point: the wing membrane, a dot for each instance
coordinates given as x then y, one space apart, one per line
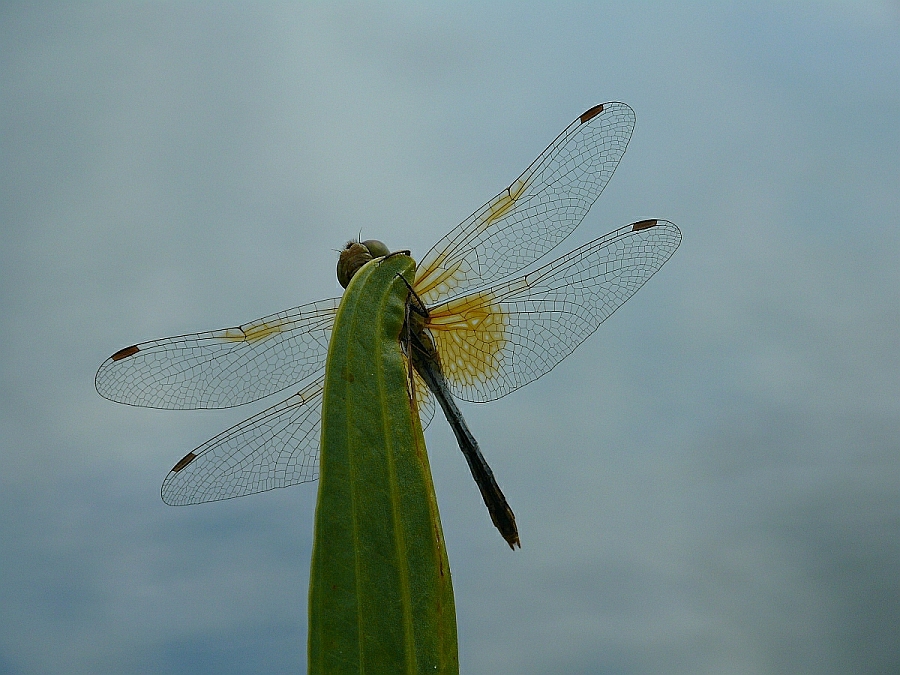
224 368
536 212
495 341
275 448
424 400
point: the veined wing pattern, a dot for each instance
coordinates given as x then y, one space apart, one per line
535 213
495 341
491 342
222 368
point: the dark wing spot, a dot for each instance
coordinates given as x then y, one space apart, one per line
588 115
643 225
183 462
125 353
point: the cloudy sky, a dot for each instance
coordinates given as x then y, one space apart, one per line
710 484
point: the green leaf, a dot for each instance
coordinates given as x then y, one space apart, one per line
380 596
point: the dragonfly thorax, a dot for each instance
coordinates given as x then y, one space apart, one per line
356 254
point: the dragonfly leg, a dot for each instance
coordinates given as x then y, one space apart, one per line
417 306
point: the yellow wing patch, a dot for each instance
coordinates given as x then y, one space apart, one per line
469 334
253 332
503 203
436 281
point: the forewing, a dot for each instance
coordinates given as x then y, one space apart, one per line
536 212
275 448
223 368
495 341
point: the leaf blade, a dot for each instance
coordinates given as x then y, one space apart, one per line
381 597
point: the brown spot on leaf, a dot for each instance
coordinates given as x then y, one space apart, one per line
588 115
125 353
183 462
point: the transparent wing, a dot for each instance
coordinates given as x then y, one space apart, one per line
536 212
275 448
424 400
495 341
223 368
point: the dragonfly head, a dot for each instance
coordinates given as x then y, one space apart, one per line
355 255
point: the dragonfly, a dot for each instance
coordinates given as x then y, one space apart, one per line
491 327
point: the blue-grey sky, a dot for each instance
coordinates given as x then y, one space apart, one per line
710 484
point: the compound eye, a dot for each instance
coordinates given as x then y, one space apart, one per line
376 248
